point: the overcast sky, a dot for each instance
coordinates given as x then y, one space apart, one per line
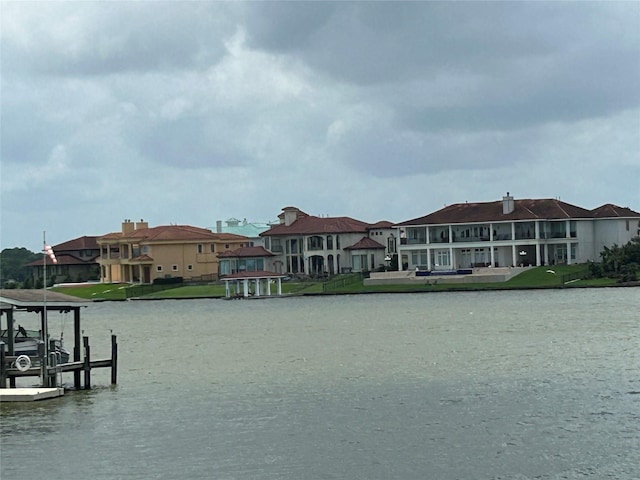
188 113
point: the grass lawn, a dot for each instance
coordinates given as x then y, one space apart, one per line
538 277
93 291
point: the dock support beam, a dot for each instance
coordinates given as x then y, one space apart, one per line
114 360
87 363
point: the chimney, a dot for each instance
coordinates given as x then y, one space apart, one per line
127 227
141 224
290 215
218 226
508 205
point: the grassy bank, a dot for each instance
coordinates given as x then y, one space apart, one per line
540 277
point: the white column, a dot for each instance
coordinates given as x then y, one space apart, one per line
226 288
279 286
513 256
568 253
268 287
245 287
429 259
257 287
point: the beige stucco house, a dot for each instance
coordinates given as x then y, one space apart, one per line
140 254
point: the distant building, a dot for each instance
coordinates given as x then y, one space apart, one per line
141 254
310 245
76 262
513 233
251 230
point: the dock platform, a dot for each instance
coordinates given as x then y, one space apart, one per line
29 394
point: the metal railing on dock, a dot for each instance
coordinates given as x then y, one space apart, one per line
50 368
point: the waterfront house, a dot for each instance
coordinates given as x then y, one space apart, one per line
513 232
77 261
140 254
318 246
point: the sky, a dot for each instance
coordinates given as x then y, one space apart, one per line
192 112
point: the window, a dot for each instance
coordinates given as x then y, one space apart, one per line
391 244
329 242
189 267
158 268
338 242
174 268
314 243
442 258
199 248
417 235
213 248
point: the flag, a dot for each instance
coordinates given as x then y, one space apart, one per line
49 251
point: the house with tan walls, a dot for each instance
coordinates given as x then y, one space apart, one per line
140 254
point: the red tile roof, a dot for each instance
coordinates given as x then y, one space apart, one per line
164 233
244 252
527 209
64 259
365 243
381 224
310 225
144 258
81 243
613 211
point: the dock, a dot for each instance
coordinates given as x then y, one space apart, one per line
45 363
29 394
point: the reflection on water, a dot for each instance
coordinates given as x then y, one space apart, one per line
509 385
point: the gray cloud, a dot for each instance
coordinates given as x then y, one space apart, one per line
316 104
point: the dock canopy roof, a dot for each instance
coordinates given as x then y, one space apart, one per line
34 299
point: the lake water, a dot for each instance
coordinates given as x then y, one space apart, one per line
486 385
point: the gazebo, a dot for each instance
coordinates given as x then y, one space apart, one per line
252 284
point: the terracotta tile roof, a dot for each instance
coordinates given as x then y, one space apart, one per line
528 209
381 224
365 243
310 225
613 211
244 252
64 259
168 233
142 259
80 243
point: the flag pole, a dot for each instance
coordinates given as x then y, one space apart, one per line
45 325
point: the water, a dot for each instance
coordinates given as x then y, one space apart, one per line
490 385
